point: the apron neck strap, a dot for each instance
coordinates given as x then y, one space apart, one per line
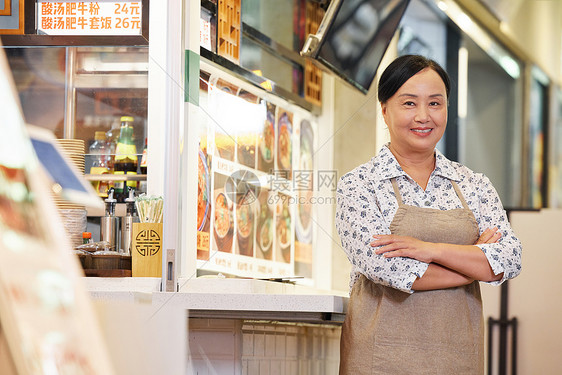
455 186
459 194
396 191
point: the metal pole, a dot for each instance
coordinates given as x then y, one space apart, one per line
172 156
504 324
70 94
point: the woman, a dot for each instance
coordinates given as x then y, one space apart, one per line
420 232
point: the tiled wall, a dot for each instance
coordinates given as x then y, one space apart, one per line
225 346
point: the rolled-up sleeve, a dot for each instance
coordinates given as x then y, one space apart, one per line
504 255
358 218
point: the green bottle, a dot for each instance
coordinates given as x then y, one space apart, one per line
126 160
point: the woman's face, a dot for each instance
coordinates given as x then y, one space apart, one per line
416 115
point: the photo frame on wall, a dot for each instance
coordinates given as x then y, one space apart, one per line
12 17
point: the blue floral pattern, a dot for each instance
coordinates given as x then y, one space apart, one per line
366 205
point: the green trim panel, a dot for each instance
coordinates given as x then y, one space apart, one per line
192 63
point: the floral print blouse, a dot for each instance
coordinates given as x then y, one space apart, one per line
366 205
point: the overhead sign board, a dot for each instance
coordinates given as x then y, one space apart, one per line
92 18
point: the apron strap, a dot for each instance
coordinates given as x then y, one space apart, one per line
396 191
459 194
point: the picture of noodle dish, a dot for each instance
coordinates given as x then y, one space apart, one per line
266 235
284 146
203 188
244 218
222 216
306 161
267 138
284 234
245 224
303 225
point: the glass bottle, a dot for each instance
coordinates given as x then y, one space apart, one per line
144 159
126 159
112 137
87 237
99 153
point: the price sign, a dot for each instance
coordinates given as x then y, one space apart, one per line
89 17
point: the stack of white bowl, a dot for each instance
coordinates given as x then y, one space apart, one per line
73 215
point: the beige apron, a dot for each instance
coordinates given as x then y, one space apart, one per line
390 332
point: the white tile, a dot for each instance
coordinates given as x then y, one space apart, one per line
259 344
291 345
304 367
270 345
264 367
277 367
211 344
253 367
247 344
332 368
292 367
280 346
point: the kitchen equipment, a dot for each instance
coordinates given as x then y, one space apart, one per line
109 228
127 224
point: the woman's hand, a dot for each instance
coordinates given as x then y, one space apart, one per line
490 235
404 246
409 247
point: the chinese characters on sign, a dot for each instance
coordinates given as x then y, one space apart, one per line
89 17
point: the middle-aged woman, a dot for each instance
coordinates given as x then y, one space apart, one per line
420 232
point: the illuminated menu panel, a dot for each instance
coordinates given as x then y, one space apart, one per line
89 17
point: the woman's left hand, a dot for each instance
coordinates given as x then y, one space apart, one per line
404 246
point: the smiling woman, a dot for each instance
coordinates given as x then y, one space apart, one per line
417 117
421 232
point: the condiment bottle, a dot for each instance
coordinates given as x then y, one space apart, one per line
99 153
86 237
127 224
112 137
126 160
109 227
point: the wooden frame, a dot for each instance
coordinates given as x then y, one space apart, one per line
8 14
7 10
32 39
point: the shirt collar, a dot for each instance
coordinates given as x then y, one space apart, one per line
445 167
385 166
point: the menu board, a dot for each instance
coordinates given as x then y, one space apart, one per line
255 212
46 316
89 17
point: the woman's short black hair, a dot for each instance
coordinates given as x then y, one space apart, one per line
402 69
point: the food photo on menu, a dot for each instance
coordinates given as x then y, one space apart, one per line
245 233
223 223
283 232
265 228
221 95
247 137
266 141
304 185
284 142
203 204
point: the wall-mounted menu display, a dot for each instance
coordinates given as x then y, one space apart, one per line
255 183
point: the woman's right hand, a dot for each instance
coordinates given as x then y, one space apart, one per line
490 235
